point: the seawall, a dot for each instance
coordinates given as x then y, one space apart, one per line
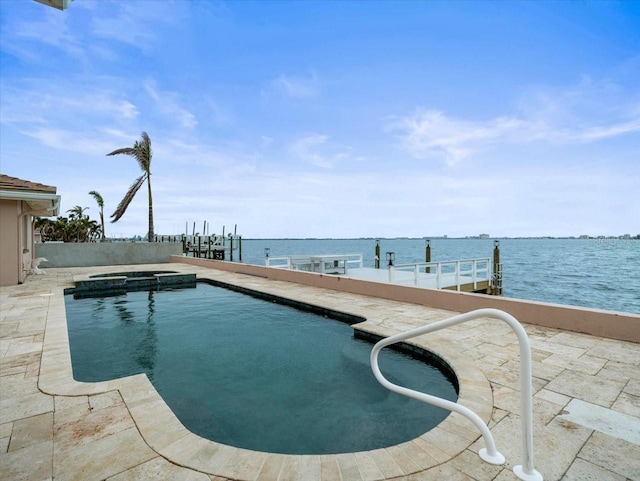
610 324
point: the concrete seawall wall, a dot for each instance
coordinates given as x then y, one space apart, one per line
105 253
609 324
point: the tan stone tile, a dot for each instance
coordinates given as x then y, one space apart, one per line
310 468
574 339
472 465
101 459
633 387
386 463
620 351
7 363
290 469
432 450
72 406
586 364
628 404
16 386
88 427
329 468
23 345
7 328
30 431
159 468
588 388
553 397
33 370
24 406
28 464
348 467
561 349
5 429
108 399
441 472
271 468
497 416
368 467
582 470
406 464
612 454
555 445
4 444
450 443
232 462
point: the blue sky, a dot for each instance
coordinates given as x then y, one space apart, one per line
332 119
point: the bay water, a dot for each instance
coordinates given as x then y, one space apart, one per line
594 273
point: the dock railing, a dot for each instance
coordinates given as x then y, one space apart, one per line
327 263
446 273
526 470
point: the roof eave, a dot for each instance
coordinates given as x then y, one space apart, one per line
41 203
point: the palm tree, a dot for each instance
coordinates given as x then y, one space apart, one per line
141 151
100 201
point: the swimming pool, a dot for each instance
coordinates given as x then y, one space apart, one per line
252 373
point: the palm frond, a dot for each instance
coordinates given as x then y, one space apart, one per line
124 203
98 198
124 150
141 151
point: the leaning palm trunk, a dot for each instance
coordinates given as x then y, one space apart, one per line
150 233
141 151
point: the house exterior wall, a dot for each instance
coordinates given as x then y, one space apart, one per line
10 250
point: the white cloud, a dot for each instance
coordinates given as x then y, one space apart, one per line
431 134
45 101
297 87
317 150
132 23
585 113
52 30
71 141
168 104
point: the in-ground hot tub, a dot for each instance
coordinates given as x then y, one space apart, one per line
129 281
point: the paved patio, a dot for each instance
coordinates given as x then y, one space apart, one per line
586 402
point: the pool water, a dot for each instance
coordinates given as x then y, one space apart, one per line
251 373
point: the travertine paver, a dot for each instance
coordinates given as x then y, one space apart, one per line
52 427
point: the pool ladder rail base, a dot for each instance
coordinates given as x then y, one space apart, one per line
525 471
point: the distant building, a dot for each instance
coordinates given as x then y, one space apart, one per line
583 236
484 236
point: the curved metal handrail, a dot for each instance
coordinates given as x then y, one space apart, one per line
525 471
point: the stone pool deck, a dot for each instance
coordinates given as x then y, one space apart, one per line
586 402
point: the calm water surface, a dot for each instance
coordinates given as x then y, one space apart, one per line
596 273
252 373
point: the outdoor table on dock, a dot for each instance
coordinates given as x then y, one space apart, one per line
334 264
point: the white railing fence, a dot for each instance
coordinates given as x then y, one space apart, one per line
526 470
317 263
449 273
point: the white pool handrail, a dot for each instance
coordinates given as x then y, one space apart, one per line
525 471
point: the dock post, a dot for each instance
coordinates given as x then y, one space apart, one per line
377 260
497 270
240 248
184 244
199 247
230 248
427 256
